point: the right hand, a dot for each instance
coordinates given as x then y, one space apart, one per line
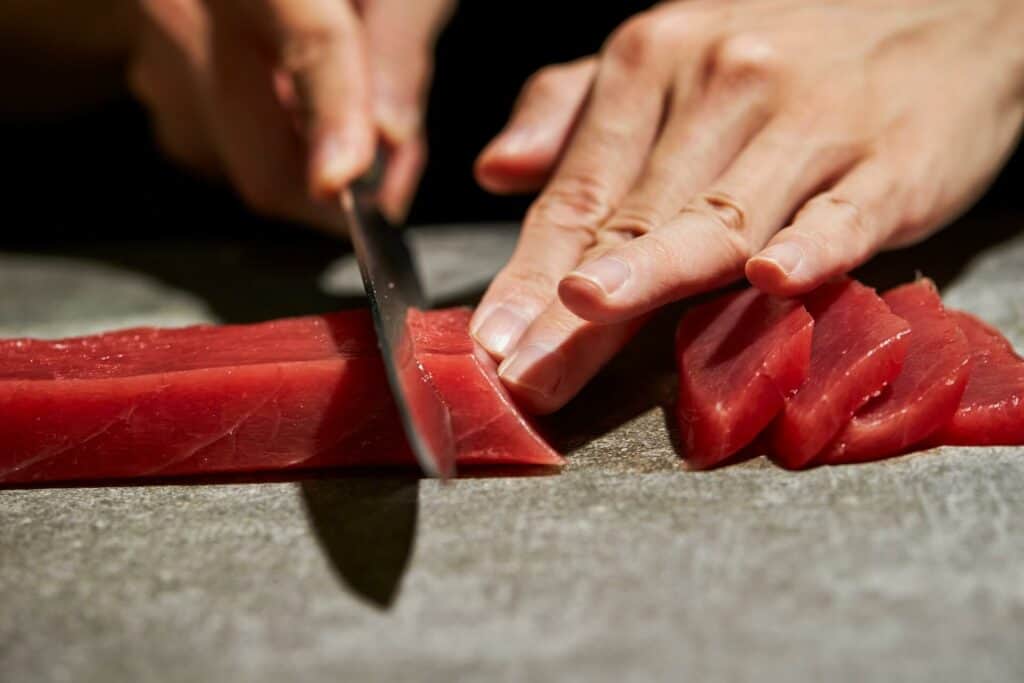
287 98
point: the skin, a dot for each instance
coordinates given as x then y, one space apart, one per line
786 141
290 98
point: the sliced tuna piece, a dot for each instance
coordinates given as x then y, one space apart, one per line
739 356
858 349
288 394
991 411
925 394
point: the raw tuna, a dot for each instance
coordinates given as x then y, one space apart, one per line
739 356
925 394
857 350
289 394
991 411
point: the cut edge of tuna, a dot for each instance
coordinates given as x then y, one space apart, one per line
181 407
926 393
730 388
991 410
858 348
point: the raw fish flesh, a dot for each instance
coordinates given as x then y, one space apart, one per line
858 348
739 356
289 394
991 411
925 394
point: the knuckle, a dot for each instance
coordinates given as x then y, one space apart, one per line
635 43
725 210
306 47
530 285
542 83
847 214
578 203
632 221
747 58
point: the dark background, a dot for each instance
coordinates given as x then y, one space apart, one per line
96 175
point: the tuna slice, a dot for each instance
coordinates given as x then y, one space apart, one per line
991 411
925 394
288 394
858 349
739 357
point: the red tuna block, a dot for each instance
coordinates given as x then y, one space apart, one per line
925 394
991 411
858 348
739 356
289 394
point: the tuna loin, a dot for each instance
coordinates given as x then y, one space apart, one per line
287 394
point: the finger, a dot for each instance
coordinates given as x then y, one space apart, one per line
261 153
691 152
398 187
708 244
320 45
552 362
833 233
699 140
601 163
521 157
400 40
166 75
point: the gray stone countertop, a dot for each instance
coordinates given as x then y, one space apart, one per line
624 566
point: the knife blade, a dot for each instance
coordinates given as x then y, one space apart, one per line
393 287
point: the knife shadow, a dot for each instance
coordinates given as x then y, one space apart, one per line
366 527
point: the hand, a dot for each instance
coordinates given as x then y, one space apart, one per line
785 139
287 97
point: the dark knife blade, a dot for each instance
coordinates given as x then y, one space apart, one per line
393 287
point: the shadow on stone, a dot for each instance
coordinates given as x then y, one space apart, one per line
366 527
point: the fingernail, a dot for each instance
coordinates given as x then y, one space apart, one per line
608 273
533 368
500 330
786 256
513 142
398 123
334 163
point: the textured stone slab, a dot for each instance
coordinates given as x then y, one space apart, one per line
623 567
455 261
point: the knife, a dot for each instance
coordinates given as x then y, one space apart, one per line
393 287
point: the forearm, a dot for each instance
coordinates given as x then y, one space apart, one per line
59 55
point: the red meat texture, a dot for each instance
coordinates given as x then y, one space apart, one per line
739 357
991 411
925 394
297 393
858 349
870 378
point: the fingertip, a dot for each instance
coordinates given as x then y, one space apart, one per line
781 269
534 375
498 329
337 161
584 297
518 160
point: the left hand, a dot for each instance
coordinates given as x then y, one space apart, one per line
789 140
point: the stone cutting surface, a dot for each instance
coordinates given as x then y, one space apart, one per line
623 567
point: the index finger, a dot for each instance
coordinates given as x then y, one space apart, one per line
319 44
